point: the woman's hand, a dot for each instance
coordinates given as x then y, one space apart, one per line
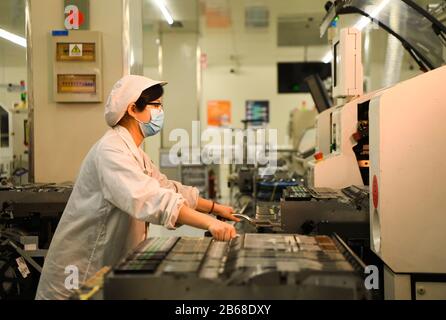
225 212
222 231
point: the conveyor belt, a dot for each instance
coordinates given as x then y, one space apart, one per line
251 266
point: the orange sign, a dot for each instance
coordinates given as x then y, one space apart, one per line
219 113
217 14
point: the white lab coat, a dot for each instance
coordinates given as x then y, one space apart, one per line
118 189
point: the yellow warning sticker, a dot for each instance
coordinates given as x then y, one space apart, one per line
75 49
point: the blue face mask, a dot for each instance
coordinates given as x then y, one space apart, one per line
154 125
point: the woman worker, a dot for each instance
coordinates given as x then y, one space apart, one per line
118 190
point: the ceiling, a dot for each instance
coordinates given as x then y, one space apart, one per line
12 16
290 22
189 12
12 12
184 11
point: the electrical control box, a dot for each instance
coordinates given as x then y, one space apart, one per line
77 66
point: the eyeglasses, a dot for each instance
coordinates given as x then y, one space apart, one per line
156 104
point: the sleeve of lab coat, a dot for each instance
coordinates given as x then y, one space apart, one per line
190 194
126 186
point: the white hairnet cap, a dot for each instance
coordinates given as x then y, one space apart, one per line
125 91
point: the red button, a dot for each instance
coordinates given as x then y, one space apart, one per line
375 192
318 155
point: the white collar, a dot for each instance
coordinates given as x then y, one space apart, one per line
128 140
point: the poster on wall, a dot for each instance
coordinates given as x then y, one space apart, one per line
219 113
217 13
257 111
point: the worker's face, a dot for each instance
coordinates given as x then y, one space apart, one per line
145 115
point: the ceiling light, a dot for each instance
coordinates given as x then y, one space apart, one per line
13 38
164 11
364 21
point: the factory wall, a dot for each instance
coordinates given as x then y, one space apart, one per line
151 70
12 70
172 57
179 69
63 133
240 64
251 83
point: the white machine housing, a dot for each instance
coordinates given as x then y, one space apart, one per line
347 68
335 127
407 174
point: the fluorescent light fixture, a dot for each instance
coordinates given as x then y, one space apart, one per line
164 11
13 38
328 57
364 21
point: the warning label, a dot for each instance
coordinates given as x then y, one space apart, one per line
75 49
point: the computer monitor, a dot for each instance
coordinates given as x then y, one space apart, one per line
318 92
291 75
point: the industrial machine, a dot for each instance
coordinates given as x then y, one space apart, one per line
342 143
330 142
6 154
29 215
390 139
324 211
342 153
401 140
313 211
14 137
251 266
407 172
343 150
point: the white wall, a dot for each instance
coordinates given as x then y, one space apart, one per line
251 83
254 55
63 133
179 68
151 70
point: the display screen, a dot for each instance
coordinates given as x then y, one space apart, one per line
257 111
291 75
319 93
